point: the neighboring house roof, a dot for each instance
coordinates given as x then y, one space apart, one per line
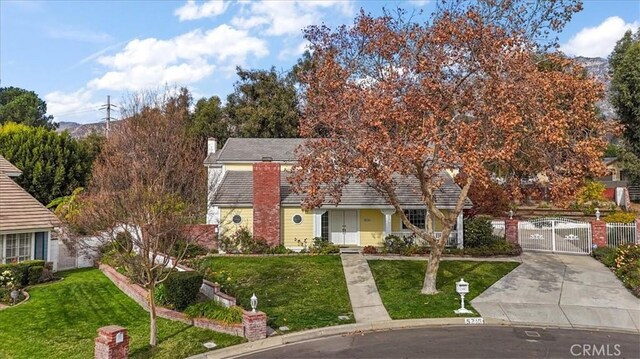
8 168
20 211
609 160
236 189
254 149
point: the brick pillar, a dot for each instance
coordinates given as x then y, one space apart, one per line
112 343
511 230
599 233
255 325
266 202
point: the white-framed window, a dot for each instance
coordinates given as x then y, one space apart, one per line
416 217
17 247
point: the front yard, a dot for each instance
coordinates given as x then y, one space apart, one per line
61 321
299 292
400 281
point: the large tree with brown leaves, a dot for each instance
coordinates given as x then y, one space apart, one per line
466 91
148 181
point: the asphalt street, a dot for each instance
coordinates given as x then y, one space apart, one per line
465 342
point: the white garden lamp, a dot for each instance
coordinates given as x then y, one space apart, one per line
597 214
254 302
462 288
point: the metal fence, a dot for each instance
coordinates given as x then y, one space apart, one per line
621 233
555 235
498 227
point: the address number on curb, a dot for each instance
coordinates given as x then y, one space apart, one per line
473 321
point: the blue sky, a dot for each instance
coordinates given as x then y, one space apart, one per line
75 53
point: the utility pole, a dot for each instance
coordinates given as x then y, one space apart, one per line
108 118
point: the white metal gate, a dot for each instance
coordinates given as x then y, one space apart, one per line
555 235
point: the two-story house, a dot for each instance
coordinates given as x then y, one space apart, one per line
248 188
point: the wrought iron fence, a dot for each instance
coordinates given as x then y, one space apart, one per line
621 233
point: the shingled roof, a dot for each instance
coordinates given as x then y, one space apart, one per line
254 149
236 189
20 211
8 168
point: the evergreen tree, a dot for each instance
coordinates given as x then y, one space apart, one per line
22 106
52 164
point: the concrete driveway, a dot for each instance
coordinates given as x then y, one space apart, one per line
561 290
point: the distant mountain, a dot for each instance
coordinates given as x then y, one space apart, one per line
81 130
599 68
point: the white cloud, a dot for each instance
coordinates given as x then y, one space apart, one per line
181 60
419 2
598 41
64 106
287 17
193 11
294 51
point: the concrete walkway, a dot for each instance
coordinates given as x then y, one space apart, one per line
561 290
365 300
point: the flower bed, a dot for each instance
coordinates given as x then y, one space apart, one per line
624 261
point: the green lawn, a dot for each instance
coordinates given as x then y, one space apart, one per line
61 321
299 292
400 281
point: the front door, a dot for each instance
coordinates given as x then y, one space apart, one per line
344 227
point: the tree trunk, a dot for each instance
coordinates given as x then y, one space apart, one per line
429 286
153 329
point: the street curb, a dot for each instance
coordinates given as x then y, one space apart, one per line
360 328
270 343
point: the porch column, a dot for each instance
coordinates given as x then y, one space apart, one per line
460 228
387 221
317 222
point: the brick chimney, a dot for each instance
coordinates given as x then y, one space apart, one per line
266 201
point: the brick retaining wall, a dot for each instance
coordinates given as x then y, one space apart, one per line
139 295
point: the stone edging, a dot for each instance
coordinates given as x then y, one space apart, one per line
26 298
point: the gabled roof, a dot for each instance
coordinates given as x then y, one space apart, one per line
236 189
8 168
254 149
20 211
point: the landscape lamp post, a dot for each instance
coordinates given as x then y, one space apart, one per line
462 288
254 302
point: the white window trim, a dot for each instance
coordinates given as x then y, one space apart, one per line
301 219
3 243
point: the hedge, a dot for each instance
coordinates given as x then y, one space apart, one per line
182 289
22 271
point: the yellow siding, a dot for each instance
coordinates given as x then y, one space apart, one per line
249 167
292 231
226 216
371 227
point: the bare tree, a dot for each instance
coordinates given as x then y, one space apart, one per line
148 181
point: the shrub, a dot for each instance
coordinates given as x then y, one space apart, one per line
398 244
160 295
369 250
478 232
627 266
620 217
242 241
279 249
182 288
35 273
323 246
192 250
20 270
606 255
213 310
496 248
123 242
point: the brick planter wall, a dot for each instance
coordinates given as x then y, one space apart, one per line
250 326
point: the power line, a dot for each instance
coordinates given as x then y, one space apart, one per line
108 107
